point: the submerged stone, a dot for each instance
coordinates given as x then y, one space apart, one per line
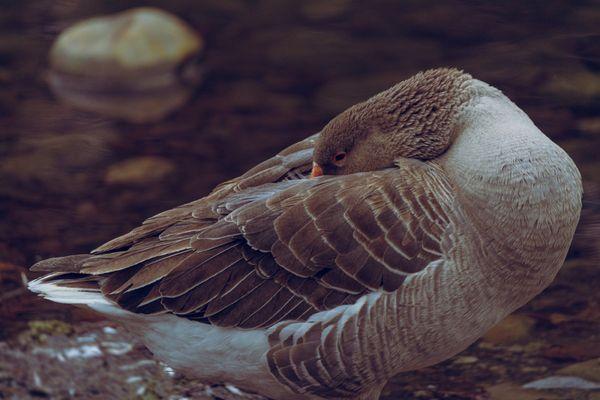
136 65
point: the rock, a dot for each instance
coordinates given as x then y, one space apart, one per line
465 360
533 346
486 345
558 318
515 348
511 391
589 370
562 382
139 170
499 369
512 329
124 42
589 125
135 65
422 394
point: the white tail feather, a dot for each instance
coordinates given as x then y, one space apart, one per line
49 287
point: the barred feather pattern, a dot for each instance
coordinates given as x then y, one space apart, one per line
251 256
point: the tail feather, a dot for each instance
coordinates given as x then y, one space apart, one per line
63 264
69 288
66 284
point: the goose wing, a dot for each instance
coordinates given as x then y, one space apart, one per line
268 247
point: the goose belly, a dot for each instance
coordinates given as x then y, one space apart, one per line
209 353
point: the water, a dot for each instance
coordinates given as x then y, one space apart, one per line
275 72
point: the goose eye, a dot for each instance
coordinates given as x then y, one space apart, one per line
339 158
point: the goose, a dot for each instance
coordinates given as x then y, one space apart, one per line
387 242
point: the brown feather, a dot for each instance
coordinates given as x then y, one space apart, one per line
242 283
198 268
135 257
64 264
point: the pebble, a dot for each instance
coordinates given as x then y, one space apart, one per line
117 348
85 351
139 170
422 394
498 369
465 360
109 330
562 382
589 125
557 318
511 329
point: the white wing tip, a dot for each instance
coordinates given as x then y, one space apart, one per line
53 291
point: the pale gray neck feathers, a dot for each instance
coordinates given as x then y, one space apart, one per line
515 185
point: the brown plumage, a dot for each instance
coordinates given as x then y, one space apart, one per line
385 263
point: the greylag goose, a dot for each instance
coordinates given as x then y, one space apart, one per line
390 241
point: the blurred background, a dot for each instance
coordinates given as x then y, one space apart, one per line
76 169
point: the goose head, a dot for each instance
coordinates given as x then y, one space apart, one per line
413 119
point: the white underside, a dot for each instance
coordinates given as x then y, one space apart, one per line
209 353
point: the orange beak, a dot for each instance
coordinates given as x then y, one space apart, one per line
316 170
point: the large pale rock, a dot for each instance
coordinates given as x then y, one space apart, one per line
136 65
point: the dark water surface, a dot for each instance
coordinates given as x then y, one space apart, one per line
275 72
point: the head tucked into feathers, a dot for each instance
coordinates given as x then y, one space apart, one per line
413 119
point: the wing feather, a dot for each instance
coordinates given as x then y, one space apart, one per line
267 247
